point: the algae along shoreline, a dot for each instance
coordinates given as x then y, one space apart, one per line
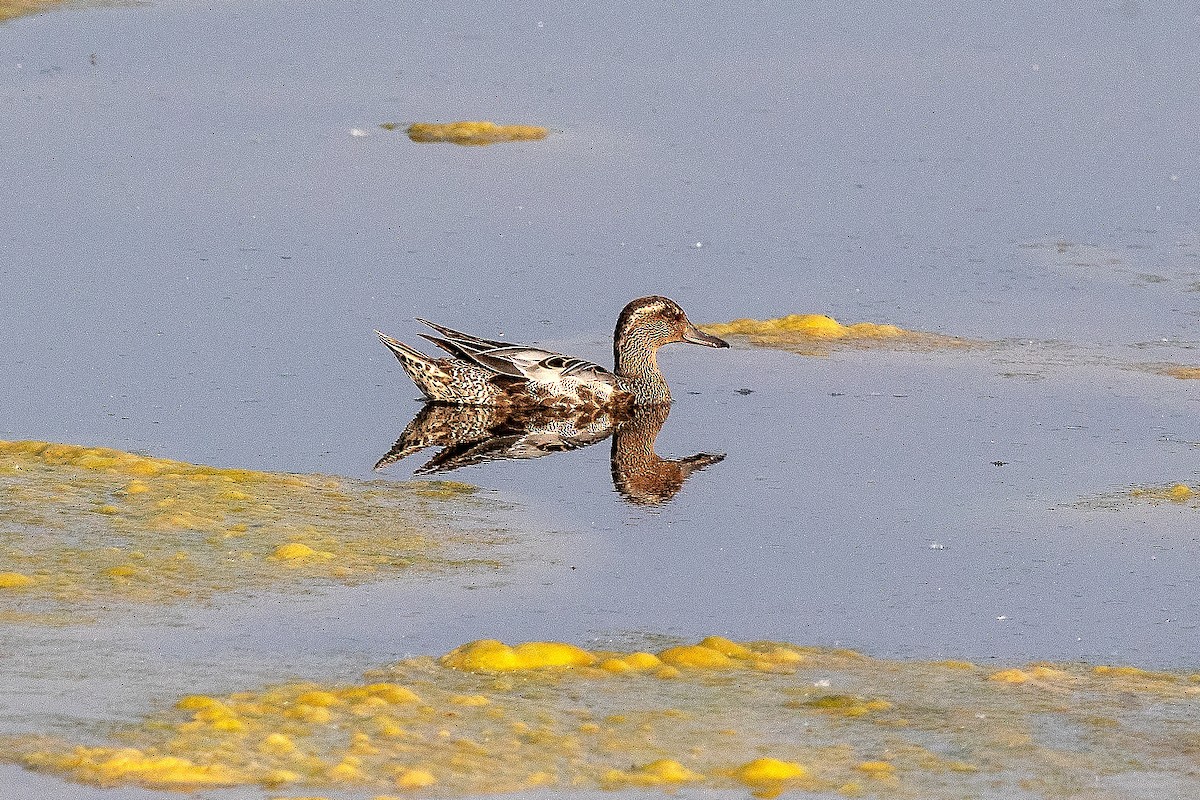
768 717
81 527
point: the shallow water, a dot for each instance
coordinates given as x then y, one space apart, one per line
197 250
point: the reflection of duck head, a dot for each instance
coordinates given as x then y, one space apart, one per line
638 473
471 435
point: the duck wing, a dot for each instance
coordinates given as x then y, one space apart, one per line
516 360
465 341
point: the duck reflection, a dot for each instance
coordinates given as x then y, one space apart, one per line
471 435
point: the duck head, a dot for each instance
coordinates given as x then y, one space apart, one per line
651 322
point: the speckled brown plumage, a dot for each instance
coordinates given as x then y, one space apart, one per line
488 372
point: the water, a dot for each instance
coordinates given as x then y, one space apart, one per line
196 250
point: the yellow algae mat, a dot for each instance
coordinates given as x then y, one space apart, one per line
817 334
768 717
85 524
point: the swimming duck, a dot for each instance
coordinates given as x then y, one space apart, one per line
484 372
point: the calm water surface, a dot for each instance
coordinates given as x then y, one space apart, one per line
196 250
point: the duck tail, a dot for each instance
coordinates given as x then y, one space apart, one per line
401 351
427 373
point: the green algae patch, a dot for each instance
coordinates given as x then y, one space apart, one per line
471 133
84 526
817 334
766 717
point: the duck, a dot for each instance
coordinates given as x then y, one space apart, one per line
488 372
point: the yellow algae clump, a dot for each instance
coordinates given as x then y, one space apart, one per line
842 705
726 647
171 538
1133 672
489 655
816 334
296 551
634 662
278 744
617 665
198 702
415 779
392 693
474 133
877 769
15 580
766 771
1044 672
319 698
1180 492
1009 676
347 771
663 772
666 770
696 657
778 655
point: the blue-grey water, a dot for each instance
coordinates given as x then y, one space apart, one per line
195 249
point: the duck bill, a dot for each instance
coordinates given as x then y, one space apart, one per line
697 336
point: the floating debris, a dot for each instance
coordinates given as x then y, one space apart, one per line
83 526
488 718
471 133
